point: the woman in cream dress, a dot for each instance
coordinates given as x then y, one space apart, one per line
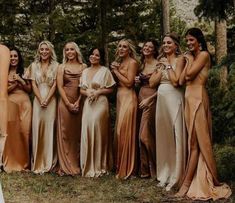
200 180
96 139
126 135
170 126
17 158
69 110
42 72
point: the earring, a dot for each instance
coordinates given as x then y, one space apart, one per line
200 47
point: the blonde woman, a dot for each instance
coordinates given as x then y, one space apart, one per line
42 72
69 110
125 69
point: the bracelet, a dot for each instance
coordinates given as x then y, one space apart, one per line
168 67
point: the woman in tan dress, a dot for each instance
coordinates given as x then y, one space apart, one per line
69 110
96 139
147 107
170 126
125 69
42 72
200 181
4 66
17 158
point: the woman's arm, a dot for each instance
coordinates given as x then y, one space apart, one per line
50 94
155 79
11 86
36 91
147 101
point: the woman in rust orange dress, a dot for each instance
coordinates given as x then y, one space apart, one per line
147 106
69 110
125 69
200 181
17 158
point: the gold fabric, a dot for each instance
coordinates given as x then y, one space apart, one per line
69 127
96 138
170 133
17 158
43 122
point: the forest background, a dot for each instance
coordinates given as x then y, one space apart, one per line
24 23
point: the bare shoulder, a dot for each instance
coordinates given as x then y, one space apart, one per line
84 66
180 58
4 50
204 55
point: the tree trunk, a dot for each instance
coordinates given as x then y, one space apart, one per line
165 16
51 35
221 47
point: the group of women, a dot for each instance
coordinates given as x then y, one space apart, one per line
159 132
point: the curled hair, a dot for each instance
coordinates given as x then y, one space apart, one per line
53 57
197 33
132 49
155 45
176 39
20 65
78 53
101 52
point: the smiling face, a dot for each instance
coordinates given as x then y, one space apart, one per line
192 43
44 52
148 49
123 49
169 45
95 57
14 58
70 52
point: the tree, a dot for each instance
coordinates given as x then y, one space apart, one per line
165 16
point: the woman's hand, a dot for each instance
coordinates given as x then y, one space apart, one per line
145 103
16 77
94 96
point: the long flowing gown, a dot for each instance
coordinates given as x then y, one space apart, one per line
204 185
96 139
17 158
147 140
126 142
69 126
170 133
43 122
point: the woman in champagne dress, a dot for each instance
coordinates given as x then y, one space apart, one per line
96 139
170 124
200 181
147 107
69 110
42 72
126 142
17 158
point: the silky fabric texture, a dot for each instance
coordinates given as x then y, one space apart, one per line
96 138
126 142
43 122
204 185
170 132
69 126
17 158
147 141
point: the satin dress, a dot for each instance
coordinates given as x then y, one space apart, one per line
96 137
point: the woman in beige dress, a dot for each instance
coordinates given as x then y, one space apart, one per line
170 126
4 66
147 108
42 72
17 158
125 69
96 139
200 181
69 110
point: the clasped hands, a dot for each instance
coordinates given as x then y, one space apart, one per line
73 108
92 95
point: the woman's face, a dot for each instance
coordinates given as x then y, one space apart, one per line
70 52
95 57
192 43
14 58
123 49
148 49
169 45
44 52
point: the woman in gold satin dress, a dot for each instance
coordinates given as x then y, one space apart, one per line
147 109
17 158
69 110
170 124
200 181
96 139
125 69
42 72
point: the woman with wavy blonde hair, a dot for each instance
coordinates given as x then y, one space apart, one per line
42 73
125 69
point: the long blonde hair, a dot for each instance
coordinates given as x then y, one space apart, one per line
79 54
53 57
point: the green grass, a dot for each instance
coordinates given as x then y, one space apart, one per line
51 188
